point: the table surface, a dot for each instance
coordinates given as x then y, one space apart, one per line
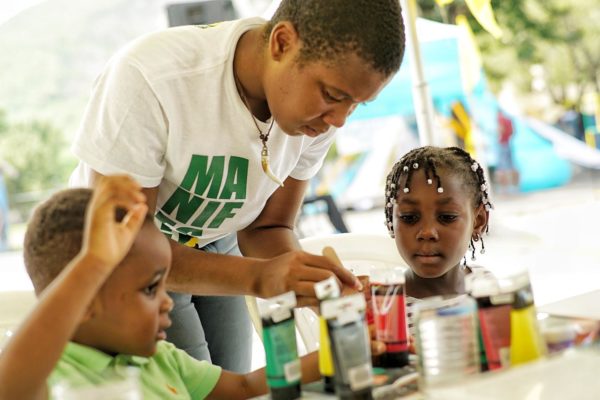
580 306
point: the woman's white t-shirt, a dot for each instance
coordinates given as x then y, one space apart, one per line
166 111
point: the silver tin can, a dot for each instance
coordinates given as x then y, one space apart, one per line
446 339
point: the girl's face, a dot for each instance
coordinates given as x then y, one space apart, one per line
433 230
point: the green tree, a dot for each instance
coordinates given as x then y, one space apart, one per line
560 36
38 153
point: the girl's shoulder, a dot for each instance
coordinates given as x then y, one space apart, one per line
478 269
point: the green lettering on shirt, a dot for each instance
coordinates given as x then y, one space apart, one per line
236 181
203 175
204 194
184 202
226 212
206 213
187 231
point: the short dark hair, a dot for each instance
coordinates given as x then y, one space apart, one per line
55 234
373 29
453 160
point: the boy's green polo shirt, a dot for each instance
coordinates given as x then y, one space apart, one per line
169 374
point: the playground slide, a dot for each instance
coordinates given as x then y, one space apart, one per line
565 145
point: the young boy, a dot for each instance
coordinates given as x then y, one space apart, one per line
100 276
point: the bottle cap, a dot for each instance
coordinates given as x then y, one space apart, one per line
278 308
388 276
327 289
514 282
481 284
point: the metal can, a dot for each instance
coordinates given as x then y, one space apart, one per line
446 339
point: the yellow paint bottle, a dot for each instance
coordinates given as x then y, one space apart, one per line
526 342
327 289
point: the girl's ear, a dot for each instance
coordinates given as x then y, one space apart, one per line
481 220
283 39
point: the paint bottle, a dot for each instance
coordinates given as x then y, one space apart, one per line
446 340
493 310
281 351
388 297
325 290
350 346
526 342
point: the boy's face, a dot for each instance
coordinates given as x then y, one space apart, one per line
308 99
131 312
433 230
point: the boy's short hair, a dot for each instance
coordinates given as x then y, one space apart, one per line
55 234
373 29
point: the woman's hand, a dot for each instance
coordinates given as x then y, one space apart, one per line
299 271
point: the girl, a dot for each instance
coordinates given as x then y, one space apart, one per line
437 207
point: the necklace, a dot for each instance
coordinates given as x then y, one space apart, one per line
264 137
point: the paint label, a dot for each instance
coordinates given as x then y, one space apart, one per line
494 323
292 371
347 308
360 376
281 351
390 317
347 317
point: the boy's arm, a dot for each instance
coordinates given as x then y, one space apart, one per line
32 353
34 350
236 386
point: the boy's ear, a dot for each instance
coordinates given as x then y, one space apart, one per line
481 220
283 39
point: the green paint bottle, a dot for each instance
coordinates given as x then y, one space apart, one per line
281 351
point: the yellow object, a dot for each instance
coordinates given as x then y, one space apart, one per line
192 242
590 138
325 358
526 343
469 55
484 14
598 112
460 122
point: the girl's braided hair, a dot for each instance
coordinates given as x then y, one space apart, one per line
452 159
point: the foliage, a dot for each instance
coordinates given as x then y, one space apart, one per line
558 38
39 156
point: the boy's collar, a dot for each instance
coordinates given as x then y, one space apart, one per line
97 360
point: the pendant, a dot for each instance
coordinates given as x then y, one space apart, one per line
264 160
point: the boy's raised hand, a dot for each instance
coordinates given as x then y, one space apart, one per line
105 239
